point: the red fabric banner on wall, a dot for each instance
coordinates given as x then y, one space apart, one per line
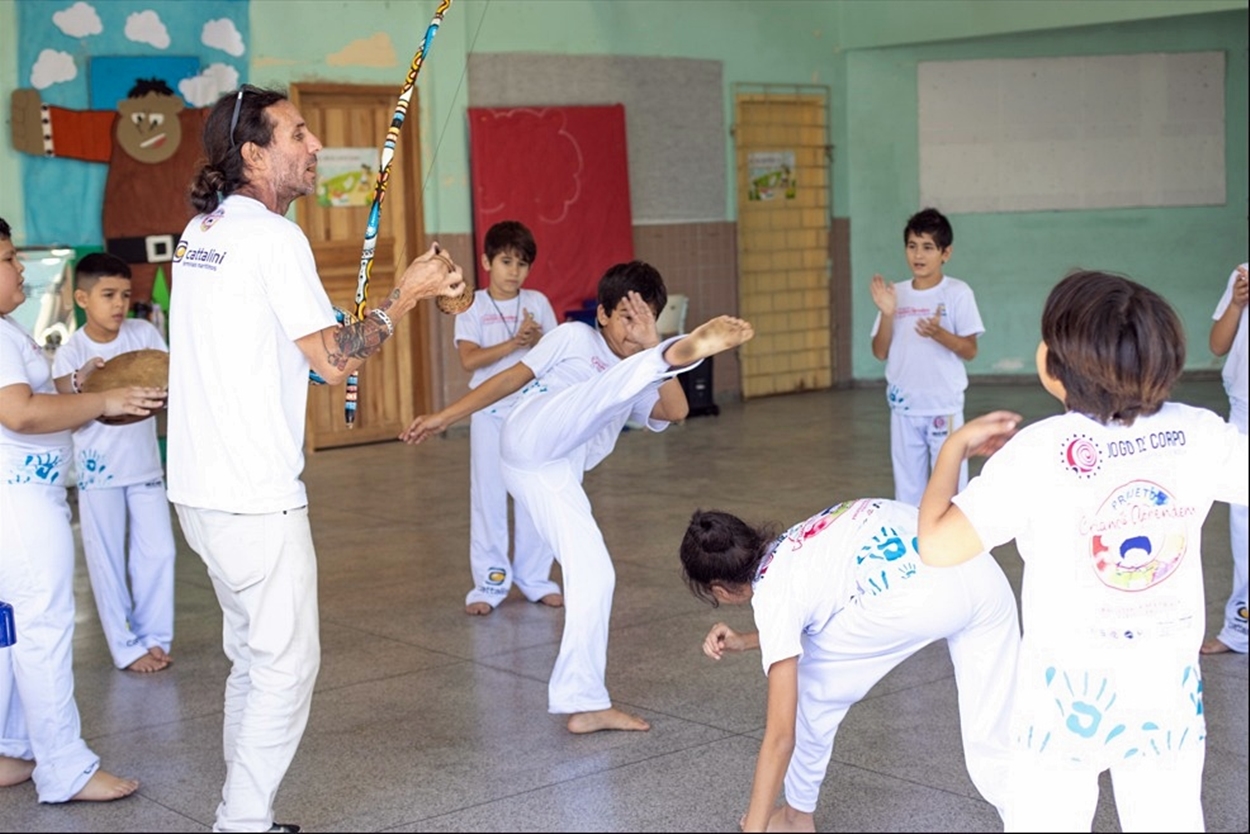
563 172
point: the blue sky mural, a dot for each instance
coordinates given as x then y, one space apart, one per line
204 43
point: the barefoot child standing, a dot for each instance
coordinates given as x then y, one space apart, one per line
42 735
505 321
579 387
121 486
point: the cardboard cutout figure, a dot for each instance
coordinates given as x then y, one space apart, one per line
151 144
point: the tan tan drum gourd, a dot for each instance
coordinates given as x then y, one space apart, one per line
137 368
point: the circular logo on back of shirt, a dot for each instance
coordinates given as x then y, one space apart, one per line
1137 539
1080 456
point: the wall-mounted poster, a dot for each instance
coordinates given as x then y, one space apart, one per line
771 175
346 176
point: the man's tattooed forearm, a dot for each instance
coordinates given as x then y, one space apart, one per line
358 340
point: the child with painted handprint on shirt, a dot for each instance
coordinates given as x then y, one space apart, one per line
1106 504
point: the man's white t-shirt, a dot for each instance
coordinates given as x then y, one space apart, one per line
245 287
1235 371
112 456
925 379
574 353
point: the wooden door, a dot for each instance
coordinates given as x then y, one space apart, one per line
783 238
394 383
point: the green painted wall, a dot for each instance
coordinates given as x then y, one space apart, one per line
866 53
1012 259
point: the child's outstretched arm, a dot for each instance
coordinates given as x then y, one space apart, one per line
488 393
778 744
26 412
946 537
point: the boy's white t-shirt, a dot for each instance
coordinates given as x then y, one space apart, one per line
925 379
488 323
22 362
1235 371
112 456
1108 521
845 555
571 354
245 287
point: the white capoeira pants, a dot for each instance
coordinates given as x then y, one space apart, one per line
544 447
1233 634
1139 717
139 616
264 571
38 715
973 608
493 573
914 446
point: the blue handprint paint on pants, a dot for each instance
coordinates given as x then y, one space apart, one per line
1084 711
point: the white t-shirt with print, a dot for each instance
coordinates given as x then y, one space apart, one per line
488 323
853 551
1235 371
925 379
112 456
22 362
574 353
1108 521
245 287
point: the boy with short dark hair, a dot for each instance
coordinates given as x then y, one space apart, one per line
496 332
579 386
1106 504
925 330
121 486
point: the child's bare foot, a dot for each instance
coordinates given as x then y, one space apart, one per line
14 771
553 601
160 654
711 337
478 609
605 719
105 787
785 818
149 663
1214 646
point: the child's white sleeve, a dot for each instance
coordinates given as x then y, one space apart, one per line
967 318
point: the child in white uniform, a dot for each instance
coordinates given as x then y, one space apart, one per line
40 732
841 599
925 330
1106 504
1228 336
495 333
581 386
121 486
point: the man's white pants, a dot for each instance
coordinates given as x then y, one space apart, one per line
914 446
970 605
139 616
544 451
264 571
1233 634
493 573
38 715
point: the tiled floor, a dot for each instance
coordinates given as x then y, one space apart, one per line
429 720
